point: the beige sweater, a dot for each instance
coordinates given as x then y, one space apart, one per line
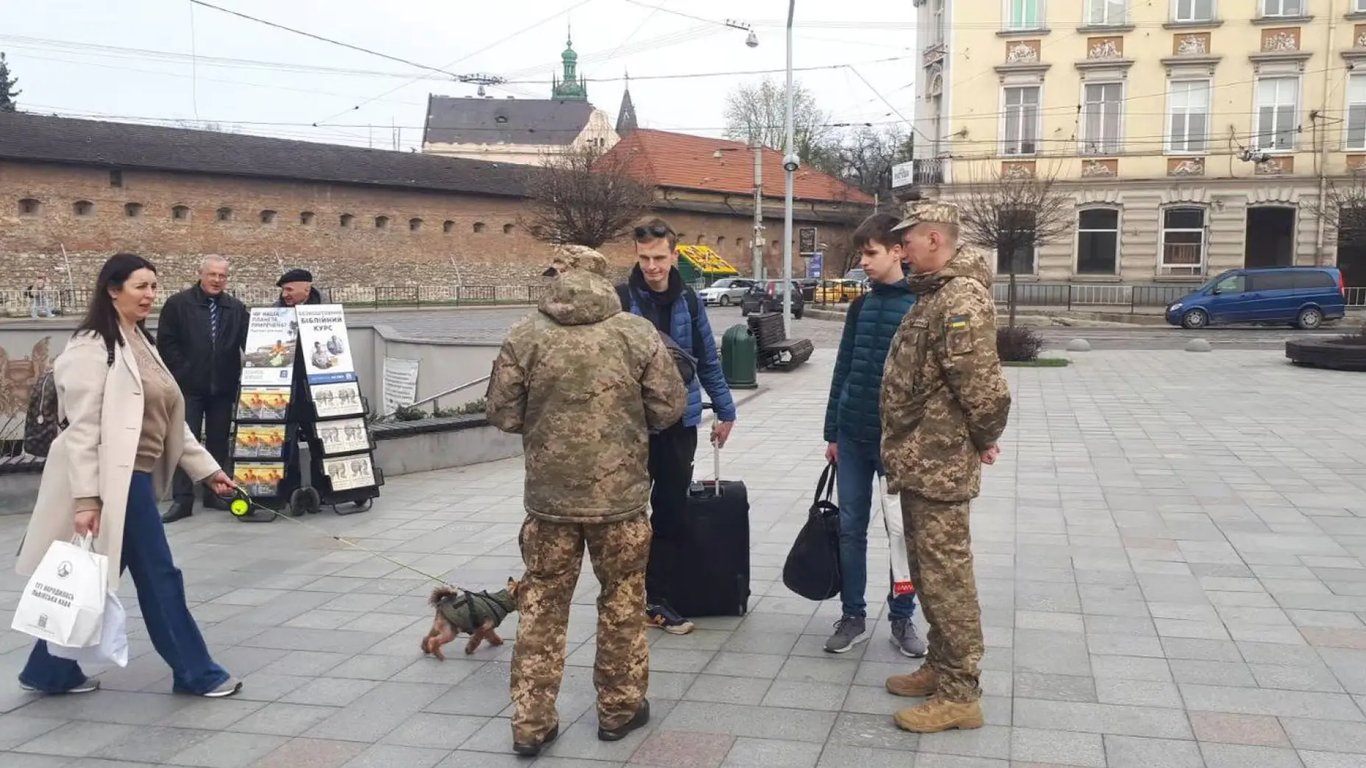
159 397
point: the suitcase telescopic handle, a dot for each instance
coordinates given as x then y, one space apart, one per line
715 455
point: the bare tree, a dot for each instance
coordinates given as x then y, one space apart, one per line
584 198
758 114
1011 213
1343 208
866 157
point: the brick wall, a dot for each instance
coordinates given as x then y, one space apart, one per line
456 240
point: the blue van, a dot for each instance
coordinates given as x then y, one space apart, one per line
1300 296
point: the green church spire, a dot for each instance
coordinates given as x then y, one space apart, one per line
572 87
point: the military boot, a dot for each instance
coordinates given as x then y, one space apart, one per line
938 715
922 682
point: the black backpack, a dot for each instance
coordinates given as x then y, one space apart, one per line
41 425
687 362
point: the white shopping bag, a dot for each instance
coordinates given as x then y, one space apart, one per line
64 600
113 645
896 542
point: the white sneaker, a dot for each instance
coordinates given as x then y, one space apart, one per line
86 687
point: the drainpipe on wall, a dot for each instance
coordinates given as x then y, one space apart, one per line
1319 259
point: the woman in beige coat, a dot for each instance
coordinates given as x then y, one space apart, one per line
126 435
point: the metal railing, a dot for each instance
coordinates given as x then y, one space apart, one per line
56 302
1123 298
929 171
435 400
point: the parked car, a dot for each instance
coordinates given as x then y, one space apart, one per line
1300 296
857 275
768 297
726 291
839 291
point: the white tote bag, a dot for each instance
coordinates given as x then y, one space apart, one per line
896 542
64 600
113 645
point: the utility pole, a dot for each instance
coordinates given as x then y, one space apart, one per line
790 164
757 244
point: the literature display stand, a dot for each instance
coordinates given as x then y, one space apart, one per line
300 439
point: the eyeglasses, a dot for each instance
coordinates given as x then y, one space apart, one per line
652 232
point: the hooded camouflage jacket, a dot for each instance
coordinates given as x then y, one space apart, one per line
944 397
583 383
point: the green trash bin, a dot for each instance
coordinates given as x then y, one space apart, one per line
740 358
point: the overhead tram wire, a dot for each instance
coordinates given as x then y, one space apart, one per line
490 46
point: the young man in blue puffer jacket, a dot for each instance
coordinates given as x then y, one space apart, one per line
655 291
853 430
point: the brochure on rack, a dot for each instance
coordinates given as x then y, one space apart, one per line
272 338
324 345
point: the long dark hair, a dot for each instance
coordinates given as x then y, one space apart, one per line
102 318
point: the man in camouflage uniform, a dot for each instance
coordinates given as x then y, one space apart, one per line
944 406
583 383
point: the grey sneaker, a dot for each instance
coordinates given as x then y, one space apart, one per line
906 640
849 632
230 687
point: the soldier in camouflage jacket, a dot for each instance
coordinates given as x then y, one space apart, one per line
583 383
944 402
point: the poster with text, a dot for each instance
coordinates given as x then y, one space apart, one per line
259 478
343 436
266 403
332 400
400 383
272 338
324 345
265 441
349 472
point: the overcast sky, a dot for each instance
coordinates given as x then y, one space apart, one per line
174 60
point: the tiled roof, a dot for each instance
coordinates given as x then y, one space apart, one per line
127 145
683 161
457 120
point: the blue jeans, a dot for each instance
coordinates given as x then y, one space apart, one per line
161 596
860 464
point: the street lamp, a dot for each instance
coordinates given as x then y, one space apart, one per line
757 242
790 165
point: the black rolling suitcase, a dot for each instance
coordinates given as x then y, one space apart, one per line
712 573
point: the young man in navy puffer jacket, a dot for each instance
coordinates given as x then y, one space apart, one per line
853 429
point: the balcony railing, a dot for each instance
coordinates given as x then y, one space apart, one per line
929 172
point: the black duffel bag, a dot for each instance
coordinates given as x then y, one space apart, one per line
812 569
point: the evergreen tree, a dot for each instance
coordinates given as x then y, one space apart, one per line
8 93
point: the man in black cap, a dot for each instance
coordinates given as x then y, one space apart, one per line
296 287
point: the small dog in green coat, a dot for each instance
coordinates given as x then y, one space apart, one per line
476 614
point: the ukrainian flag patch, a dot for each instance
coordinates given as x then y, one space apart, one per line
957 323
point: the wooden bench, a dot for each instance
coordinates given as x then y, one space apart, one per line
775 349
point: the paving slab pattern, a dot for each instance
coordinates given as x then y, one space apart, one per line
1171 557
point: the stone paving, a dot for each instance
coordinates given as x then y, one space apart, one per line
1171 557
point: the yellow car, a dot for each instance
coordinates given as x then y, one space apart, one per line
838 291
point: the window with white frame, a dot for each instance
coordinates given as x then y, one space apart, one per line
1356 112
1102 116
1188 125
1282 7
1193 10
1277 113
1359 6
1021 131
1183 241
1024 14
1098 241
1105 13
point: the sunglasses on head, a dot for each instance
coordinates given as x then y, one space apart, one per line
653 232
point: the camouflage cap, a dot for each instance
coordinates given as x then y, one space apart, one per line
917 211
571 257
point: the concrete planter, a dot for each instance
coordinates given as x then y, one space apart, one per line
402 447
1337 354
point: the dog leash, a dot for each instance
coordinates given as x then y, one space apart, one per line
242 503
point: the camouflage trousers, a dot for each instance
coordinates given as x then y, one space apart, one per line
553 553
940 548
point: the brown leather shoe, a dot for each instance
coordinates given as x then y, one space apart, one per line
938 715
922 682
